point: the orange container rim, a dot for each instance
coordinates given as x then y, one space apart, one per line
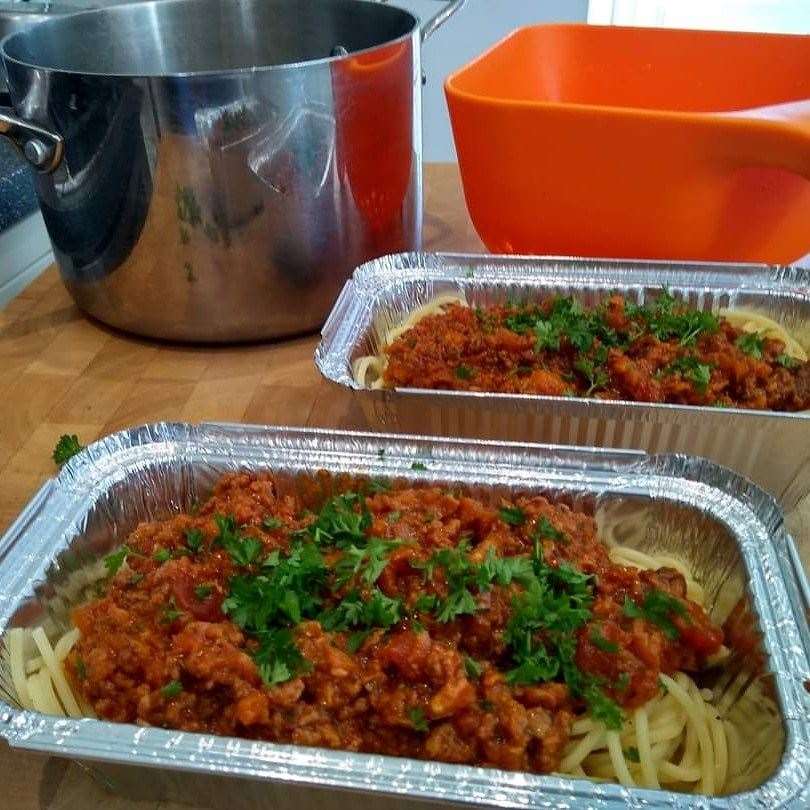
452 89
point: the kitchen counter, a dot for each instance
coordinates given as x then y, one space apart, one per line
62 373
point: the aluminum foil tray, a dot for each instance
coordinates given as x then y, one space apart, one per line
769 448
728 530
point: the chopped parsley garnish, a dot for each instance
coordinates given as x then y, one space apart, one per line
202 592
112 562
544 529
464 372
81 669
194 540
162 555
601 643
622 682
242 550
343 520
393 517
632 754
690 368
356 640
171 689
595 375
602 707
379 484
751 343
366 562
270 523
355 612
277 657
513 515
667 318
170 613
419 466
67 447
472 668
657 608
418 720
786 360
286 592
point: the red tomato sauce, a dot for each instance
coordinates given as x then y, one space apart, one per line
157 648
502 349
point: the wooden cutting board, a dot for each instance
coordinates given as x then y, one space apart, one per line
62 373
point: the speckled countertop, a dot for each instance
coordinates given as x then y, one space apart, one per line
17 195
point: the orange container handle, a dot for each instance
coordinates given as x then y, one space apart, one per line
777 136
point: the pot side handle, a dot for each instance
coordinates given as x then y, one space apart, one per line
439 19
42 149
777 136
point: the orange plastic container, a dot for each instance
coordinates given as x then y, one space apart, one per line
637 142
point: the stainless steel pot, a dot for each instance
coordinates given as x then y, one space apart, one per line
212 170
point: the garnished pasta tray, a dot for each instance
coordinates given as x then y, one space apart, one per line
406 619
703 359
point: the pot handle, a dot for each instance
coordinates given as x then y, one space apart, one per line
440 18
41 148
777 136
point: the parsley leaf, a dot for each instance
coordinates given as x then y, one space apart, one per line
545 529
632 754
667 318
378 611
419 466
472 668
202 592
194 540
601 643
289 592
171 689
67 447
242 550
113 561
787 361
271 523
657 608
339 523
464 372
751 343
162 555
277 657
367 561
690 368
602 707
379 484
418 720
513 515
622 682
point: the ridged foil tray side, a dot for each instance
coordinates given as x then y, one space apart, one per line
728 529
769 448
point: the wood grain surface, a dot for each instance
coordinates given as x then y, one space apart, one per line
62 373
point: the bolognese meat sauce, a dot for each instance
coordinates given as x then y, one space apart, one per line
417 622
664 352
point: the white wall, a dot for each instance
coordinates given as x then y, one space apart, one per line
477 26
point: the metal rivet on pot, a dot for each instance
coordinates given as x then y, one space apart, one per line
37 153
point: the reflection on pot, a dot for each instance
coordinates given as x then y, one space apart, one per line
230 131
296 167
95 204
375 113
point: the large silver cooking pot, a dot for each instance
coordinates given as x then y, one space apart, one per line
212 170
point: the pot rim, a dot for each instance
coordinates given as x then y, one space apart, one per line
7 59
